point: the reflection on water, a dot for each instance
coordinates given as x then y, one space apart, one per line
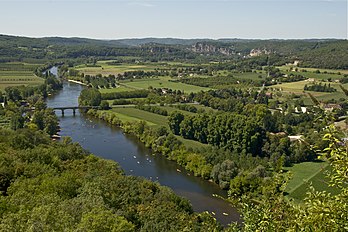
135 159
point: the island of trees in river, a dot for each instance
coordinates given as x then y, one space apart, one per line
246 115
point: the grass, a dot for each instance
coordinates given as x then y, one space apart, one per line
312 70
162 82
305 174
16 74
121 88
297 88
106 69
191 143
133 114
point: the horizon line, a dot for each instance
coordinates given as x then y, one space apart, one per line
180 38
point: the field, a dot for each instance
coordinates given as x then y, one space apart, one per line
171 109
133 114
297 88
254 76
15 74
102 67
305 174
120 88
312 70
162 82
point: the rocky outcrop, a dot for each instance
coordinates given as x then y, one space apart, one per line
207 48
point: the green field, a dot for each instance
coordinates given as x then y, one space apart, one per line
133 114
120 88
162 82
15 74
171 109
297 88
307 173
336 71
102 67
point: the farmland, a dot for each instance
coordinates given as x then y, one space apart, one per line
15 74
109 68
307 174
162 82
298 88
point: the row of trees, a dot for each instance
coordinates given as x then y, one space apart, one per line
153 109
228 130
320 88
129 94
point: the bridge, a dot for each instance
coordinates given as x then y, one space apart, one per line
74 108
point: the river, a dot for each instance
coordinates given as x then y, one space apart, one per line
110 142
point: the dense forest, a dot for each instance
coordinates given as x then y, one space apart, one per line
311 53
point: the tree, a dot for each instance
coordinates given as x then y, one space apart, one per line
51 124
224 172
104 105
89 97
17 121
175 119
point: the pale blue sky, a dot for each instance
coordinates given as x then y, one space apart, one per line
114 19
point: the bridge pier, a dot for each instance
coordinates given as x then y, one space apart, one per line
74 111
62 112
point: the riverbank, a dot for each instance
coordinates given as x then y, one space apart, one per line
76 82
160 141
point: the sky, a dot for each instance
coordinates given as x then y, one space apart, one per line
117 19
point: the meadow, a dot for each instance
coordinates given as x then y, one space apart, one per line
162 82
298 89
133 114
107 68
312 70
306 174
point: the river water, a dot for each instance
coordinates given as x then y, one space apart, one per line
110 142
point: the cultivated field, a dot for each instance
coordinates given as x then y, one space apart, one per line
15 74
309 70
306 174
297 88
162 82
133 114
106 68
